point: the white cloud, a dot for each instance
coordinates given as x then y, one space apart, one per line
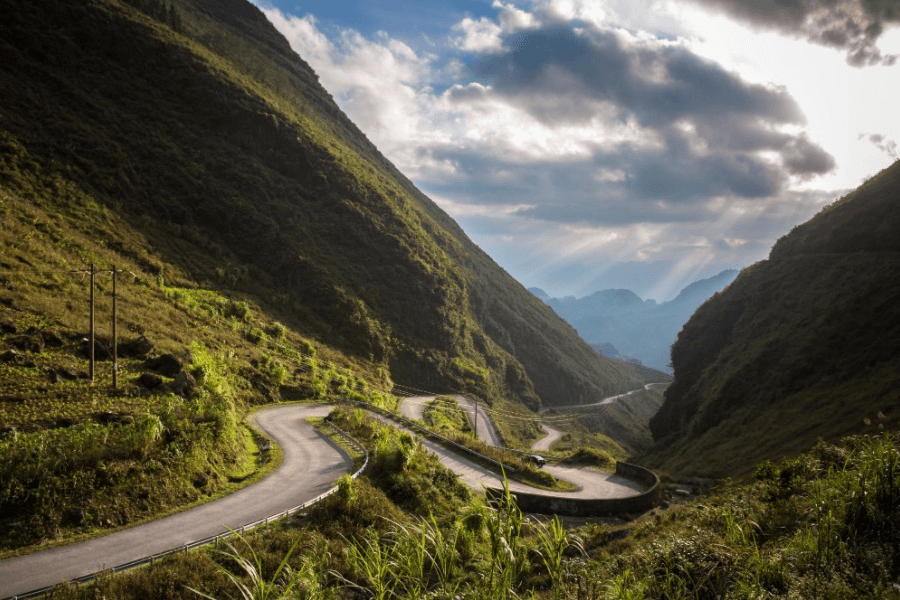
513 19
506 165
482 35
839 101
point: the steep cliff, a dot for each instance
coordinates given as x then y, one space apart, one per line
801 346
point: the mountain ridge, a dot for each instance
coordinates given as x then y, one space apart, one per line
197 122
801 346
637 328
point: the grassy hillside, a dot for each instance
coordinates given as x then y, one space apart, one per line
804 345
196 124
259 239
790 533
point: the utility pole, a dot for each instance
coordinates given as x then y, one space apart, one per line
476 417
115 370
91 335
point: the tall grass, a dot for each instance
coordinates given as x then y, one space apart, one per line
257 586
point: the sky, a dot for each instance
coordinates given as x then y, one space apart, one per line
591 144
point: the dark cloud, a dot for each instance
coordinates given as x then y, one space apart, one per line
887 146
802 157
549 69
850 25
719 133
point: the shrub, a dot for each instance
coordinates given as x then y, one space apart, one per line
276 330
346 489
237 309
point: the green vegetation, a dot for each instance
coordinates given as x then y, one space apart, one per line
259 240
445 416
265 189
804 345
823 525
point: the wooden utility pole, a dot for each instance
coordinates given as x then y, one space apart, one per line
91 335
476 417
115 369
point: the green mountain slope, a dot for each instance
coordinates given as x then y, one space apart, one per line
801 346
195 123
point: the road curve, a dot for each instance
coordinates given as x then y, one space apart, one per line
312 462
413 408
485 427
592 484
609 400
543 444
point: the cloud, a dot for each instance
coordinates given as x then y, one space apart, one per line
678 129
482 35
887 146
560 141
853 26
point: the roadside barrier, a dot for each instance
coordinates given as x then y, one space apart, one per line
149 560
534 503
429 433
539 503
593 507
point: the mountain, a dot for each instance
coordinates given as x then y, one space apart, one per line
610 351
638 329
195 123
801 346
181 162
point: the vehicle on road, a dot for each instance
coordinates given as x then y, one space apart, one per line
536 459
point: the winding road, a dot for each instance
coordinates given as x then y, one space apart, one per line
414 408
312 462
608 400
591 483
543 444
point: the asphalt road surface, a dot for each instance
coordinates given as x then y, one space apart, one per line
609 400
485 428
413 408
591 483
543 444
312 462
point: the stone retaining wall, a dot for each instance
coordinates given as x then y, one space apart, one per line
584 507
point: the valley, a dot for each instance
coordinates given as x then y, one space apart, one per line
176 182
311 464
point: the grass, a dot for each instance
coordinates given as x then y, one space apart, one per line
258 237
444 415
822 525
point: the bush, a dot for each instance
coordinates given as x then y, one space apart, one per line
346 489
238 310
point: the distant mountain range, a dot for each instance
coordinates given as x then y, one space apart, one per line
620 325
